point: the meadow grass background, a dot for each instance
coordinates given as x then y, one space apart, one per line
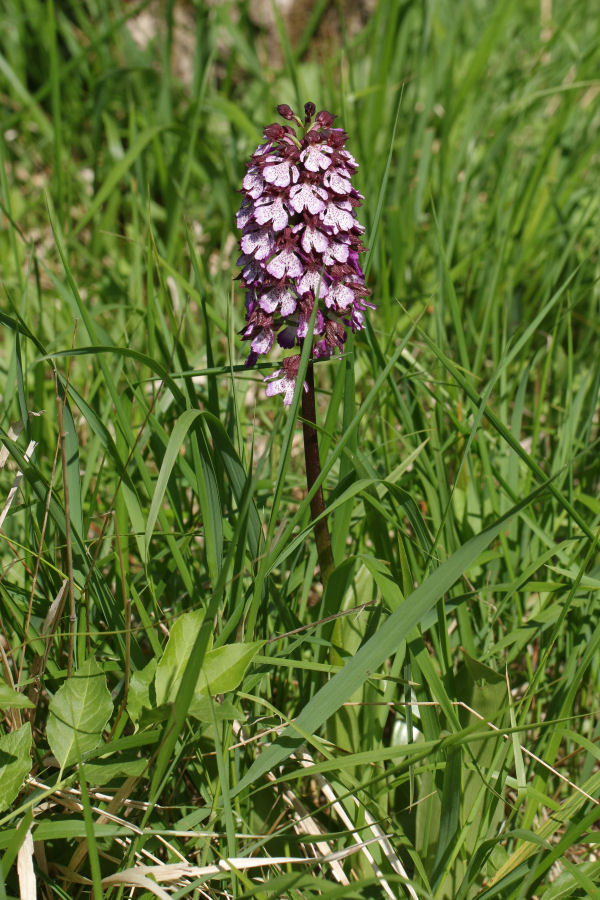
455 756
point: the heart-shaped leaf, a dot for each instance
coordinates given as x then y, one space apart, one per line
78 713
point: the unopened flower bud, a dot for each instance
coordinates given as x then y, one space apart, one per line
285 111
309 111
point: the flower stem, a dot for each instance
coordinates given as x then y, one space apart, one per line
313 470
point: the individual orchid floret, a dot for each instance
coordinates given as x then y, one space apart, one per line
283 381
301 243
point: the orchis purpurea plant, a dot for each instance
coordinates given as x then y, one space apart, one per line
301 244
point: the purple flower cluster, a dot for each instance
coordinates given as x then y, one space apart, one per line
300 242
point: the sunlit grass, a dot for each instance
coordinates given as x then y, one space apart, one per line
446 744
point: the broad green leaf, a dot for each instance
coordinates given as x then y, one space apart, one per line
15 763
567 883
467 811
224 667
171 667
78 713
222 670
139 690
11 699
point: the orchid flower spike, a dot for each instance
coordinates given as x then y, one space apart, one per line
301 243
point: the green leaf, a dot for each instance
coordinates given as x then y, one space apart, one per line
139 690
390 591
222 670
480 672
15 763
224 667
102 773
154 715
73 472
171 667
172 453
78 713
11 699
208 710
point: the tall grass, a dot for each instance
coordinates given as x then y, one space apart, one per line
428 725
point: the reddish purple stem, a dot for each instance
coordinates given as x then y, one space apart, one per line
313 470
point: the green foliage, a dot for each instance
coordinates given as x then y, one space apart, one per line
11 699
15 763
222 670
162 630
78 713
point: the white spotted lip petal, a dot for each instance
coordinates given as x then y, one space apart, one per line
285 263
271 209
281 174
313 239
340 296
315 158
258 244
253 183
278 298
309 197
336 182
338 216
